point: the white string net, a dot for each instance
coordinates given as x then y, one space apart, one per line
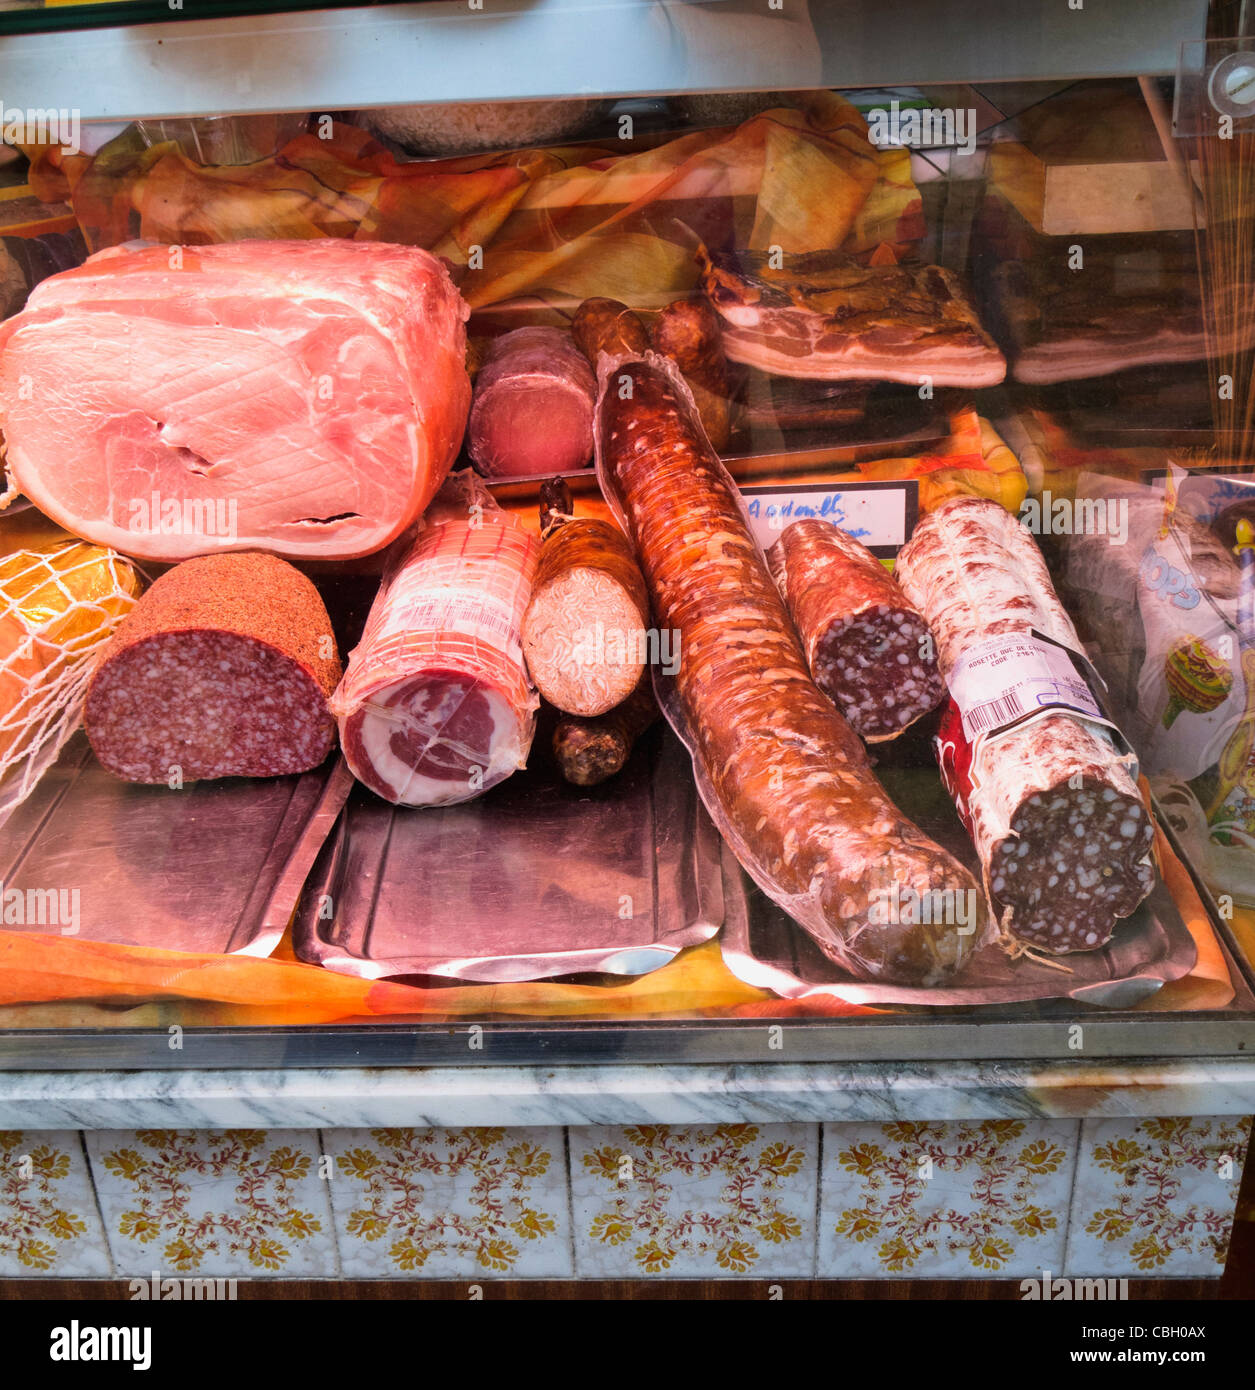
59 605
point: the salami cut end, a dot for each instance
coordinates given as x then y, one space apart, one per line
1075 861
872 668
581 642
223 669
206 704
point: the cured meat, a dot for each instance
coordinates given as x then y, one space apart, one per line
784 775
585 630
866 644
688 332
533 407
606 325
1063 837
823 315
435 706
591 750
222 669
301 397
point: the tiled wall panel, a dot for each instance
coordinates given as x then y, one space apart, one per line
985 1199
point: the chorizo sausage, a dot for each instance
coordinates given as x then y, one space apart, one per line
784 775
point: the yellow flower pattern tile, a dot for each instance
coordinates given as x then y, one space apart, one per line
237 1202
49 1224
1156 1197
690 1201
450 1203
944 1199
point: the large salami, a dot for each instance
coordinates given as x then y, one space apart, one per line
785 777
435 706
1063 837
867 645
222 669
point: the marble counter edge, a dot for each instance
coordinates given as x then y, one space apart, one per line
338 1098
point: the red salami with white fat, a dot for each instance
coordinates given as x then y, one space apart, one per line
435 706
1063 837
867 645
532 411
784 775
222 669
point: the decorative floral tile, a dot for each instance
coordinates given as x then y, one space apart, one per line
694 1201
215 1202
1156 1197
48 1218
944 1199
451 1203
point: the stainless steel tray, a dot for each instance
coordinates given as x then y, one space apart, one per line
215 867
534 879
764 947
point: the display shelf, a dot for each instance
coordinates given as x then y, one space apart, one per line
517 49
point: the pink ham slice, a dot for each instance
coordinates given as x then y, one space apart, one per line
823 316
301 397
435 706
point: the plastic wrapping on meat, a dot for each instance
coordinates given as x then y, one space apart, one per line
785 778
436 706
867 646
1050 803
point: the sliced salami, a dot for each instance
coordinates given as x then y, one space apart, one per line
222 669
435 706
1063 837
867 645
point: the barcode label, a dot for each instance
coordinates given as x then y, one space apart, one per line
995 713
1001 681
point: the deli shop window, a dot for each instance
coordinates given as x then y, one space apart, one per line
626 568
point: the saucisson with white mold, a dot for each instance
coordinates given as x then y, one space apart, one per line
584 633
867 645
222 669
784 776
532 409
435 706
1063 837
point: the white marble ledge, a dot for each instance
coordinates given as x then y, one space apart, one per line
386 1097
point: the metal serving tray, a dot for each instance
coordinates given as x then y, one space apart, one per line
762 946
215 867
537 878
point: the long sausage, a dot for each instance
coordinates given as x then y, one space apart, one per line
688 332
867 645
784 775
1063 837
606 325
584 632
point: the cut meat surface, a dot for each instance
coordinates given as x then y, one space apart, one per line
305 398
867 645
824 316
436 706
223 669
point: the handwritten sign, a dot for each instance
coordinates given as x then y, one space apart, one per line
880 514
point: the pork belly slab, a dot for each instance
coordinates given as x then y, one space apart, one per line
823 316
